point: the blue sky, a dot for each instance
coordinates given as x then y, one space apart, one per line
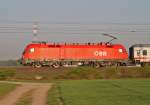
72 21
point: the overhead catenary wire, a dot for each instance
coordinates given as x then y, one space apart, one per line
71 23
12 26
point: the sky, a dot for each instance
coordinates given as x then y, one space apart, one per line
72 21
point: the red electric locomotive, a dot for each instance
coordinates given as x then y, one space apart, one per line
96 54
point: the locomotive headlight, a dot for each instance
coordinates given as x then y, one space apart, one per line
32 50
120 50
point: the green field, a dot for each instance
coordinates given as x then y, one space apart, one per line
6 88
106 92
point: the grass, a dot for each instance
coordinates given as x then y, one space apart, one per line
106 92
53 96
6 88
82 85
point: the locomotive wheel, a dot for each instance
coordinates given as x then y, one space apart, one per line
124 64
38 65
56 65
97 65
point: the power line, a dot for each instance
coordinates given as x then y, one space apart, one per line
73 23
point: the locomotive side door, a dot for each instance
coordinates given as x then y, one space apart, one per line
62 53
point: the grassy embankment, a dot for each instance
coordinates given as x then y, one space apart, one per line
50 74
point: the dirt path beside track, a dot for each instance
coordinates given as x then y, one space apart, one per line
39 95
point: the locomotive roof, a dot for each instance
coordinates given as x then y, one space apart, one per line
46 43
75 44
72 45
141 45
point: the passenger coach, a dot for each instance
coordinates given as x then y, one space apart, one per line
140 53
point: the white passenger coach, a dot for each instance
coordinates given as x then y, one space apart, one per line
140 53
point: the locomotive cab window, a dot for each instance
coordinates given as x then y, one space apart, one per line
32 50
145 52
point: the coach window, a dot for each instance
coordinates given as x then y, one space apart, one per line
138 52
145 52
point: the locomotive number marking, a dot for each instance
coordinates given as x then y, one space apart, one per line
100 53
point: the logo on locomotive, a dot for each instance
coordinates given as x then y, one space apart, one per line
100 53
